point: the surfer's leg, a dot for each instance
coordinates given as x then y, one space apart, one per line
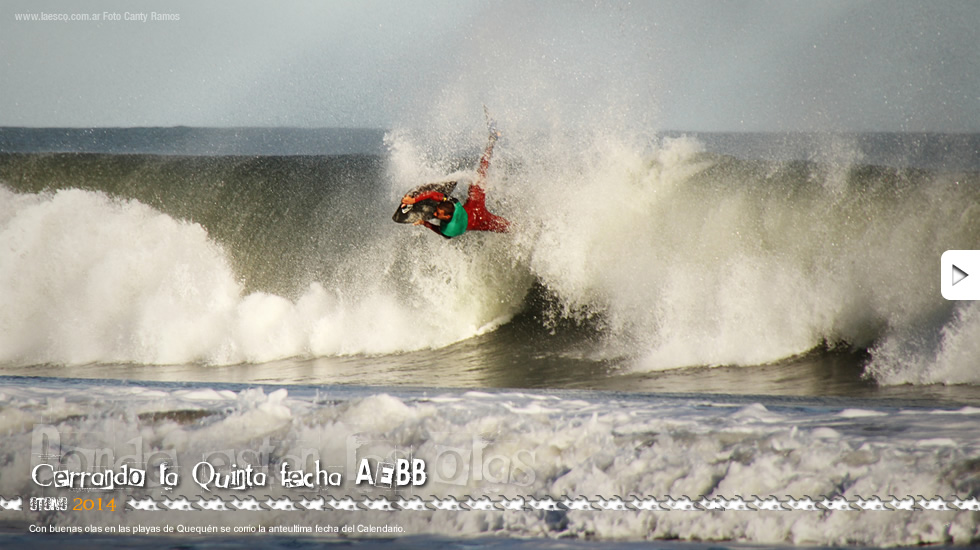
484 167
496 224
480 219
477 195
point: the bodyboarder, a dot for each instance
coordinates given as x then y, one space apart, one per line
455 218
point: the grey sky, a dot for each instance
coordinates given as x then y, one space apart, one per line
688 65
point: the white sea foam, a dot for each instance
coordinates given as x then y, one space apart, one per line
695 259
680 258
599 449
946 354
87 278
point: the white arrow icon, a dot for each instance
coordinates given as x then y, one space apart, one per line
959 274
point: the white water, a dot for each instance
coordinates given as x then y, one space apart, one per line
684 258
529 445
700 260
87 278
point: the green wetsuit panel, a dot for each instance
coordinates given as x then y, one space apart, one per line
457 225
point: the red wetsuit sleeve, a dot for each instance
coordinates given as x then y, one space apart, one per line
430 195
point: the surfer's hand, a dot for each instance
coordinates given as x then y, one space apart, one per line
408 200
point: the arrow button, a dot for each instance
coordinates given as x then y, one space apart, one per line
956 267
959 274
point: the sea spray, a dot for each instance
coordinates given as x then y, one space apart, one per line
671 254
90 278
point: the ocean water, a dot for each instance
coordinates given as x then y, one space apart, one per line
694 339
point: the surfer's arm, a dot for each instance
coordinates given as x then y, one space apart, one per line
432 227
435 195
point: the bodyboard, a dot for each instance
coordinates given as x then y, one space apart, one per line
422 210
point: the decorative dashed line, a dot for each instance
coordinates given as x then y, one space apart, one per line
12 504
546 504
